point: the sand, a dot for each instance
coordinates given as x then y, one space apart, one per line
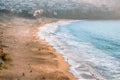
28 57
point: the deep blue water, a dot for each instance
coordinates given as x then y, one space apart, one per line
94 45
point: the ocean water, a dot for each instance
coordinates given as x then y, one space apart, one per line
92 48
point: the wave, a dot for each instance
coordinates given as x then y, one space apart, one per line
87 61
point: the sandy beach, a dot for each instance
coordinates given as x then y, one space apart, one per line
26 56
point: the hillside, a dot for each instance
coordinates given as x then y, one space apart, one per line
81 9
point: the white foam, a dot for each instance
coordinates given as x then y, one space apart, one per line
80 55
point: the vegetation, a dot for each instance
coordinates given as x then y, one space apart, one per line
72 9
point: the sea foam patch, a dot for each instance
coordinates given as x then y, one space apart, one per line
79 45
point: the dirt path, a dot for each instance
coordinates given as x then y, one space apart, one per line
30 58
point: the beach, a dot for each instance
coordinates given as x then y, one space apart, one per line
27 57
59 40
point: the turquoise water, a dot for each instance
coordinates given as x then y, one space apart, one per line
92 48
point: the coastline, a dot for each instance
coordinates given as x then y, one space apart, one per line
63 65
31 58
49 34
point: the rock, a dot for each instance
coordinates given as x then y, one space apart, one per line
23 74
30 71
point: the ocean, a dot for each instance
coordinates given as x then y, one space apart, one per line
91 47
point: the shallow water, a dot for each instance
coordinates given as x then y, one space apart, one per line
92 48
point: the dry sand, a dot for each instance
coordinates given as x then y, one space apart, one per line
28 57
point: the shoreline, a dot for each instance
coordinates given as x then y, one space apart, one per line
48 32
65 65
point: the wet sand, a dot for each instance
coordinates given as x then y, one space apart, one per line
28 57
